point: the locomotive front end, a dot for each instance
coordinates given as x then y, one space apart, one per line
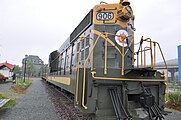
112 87
96 65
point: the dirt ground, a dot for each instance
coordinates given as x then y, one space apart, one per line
172 106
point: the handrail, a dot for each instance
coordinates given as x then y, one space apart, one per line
145 55
77 78
125 79
83 89
133 50
166 71
77 81
105 58
105 36
153 60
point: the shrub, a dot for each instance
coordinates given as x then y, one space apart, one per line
20 87
175 98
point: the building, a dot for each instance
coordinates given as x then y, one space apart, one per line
179 62
32 61
6 69
172 66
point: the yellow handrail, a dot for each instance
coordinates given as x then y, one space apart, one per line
77 81
126 79
166 71
141 56
153 62
78 70
154 65
84 77
105 36
105 57
145 55
122 71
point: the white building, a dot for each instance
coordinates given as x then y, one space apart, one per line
6 69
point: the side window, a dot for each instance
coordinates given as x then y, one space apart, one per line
71 59
87 46
60 64
63 62
82 50
78 47
87 40
82 54
68 58
57 64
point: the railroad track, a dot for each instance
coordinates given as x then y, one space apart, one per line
64 105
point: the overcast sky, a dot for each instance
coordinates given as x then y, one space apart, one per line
38 27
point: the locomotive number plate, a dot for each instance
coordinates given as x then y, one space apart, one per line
104 16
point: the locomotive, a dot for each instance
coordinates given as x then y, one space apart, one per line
99 67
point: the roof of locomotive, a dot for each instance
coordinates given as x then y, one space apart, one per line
85 23
65 45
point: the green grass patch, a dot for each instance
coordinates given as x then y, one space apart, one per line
27 83
10 103
21 87
3 96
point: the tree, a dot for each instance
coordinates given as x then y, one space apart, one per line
17 69
43 69
30 69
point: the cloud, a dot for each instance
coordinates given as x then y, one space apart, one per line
41 26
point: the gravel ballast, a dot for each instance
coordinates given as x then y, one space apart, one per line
34 105
41 103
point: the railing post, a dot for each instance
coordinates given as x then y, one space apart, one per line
105 56
151 53
137 59
133 50
84 75
144 57
122 72
154 65
141 56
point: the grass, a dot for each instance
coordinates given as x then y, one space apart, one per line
21 87
10 103
175 98
27 83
